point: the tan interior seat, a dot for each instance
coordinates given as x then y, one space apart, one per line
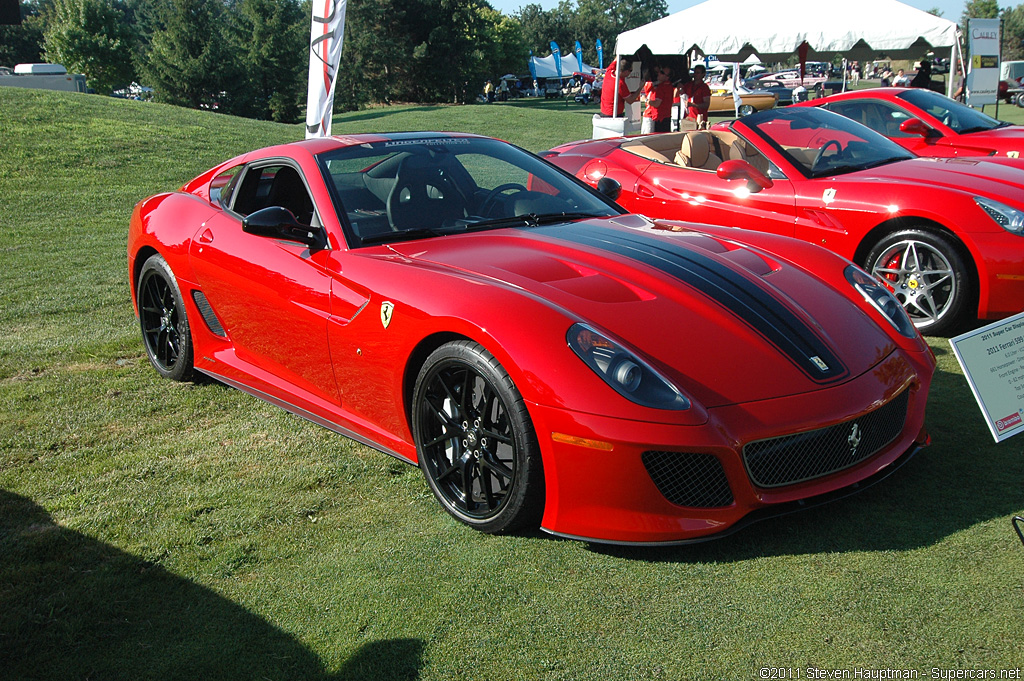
695 152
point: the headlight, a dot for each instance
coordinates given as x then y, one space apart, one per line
630 376
1010 219
881 299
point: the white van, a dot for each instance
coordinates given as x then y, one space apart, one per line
43 77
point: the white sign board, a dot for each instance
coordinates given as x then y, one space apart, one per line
992 358
983 69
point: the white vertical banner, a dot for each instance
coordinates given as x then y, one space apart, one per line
737 101
325 36
983 69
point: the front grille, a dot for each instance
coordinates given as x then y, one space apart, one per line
804 456
689 479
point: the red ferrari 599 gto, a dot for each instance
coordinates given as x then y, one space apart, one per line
543 357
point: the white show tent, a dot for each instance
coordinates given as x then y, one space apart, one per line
732 30
546 66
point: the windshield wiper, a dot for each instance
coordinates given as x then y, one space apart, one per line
980 128
404 234
534 220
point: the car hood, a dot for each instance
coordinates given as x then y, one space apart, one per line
1007 140
993 177
728 323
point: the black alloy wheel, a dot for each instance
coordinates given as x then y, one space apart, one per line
475 440
164 323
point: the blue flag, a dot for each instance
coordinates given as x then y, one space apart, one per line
579 55
558 57
533 67
600 55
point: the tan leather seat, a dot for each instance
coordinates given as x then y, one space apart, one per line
695 152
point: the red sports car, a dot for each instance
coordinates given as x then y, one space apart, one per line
545 359
945 234
927 123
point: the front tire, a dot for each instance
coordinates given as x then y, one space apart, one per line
746 110
475 440
927 274
163 321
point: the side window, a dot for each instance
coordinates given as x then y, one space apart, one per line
222 186
274 185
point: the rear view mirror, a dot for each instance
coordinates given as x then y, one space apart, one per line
609 188
915 126
741 170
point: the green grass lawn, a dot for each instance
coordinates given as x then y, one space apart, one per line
151 530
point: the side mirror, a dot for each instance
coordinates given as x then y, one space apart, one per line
741 170
279 223
915 126
609 187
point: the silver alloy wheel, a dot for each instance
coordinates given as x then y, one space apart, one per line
921 277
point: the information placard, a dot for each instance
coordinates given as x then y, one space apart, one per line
992 358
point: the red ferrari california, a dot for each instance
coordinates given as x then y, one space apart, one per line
927 123
544 358
944 234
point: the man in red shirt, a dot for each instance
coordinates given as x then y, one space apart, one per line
608 89
698 97
659 102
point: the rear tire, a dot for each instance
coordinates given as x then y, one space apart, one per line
475 441
927 274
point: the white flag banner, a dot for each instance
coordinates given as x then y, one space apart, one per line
325 36
737 101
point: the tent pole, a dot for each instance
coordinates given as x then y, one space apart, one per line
615 99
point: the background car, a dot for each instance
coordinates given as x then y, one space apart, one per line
543 357
945 233
948 128
750 101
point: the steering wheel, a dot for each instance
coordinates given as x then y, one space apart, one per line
492 196
821 152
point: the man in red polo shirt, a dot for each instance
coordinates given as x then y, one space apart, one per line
608 89
659 103
698 97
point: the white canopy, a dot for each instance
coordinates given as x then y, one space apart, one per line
546 66
734 29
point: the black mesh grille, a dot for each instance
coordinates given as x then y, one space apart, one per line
794 458
689 479
207 311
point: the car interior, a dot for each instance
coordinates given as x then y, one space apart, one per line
699 149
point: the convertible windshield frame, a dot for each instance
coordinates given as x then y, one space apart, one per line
956 116
433 185
803 135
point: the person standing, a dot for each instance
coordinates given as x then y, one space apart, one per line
698 97
610 106
659 103
489 91
924 75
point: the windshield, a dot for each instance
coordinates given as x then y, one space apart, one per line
416 187
952 114
820 143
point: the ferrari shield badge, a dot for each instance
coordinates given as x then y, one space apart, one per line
386 310
828 196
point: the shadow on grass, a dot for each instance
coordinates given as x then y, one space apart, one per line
75 608
962 479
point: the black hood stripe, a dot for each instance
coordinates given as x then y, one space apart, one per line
747 299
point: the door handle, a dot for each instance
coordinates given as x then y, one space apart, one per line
206 237
643 192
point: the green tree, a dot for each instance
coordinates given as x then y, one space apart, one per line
23 44
91 37
1013 33
268 39
188 63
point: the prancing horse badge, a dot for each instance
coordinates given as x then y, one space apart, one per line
386 309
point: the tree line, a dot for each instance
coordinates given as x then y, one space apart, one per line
249 57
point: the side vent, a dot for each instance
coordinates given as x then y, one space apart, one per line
209 317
